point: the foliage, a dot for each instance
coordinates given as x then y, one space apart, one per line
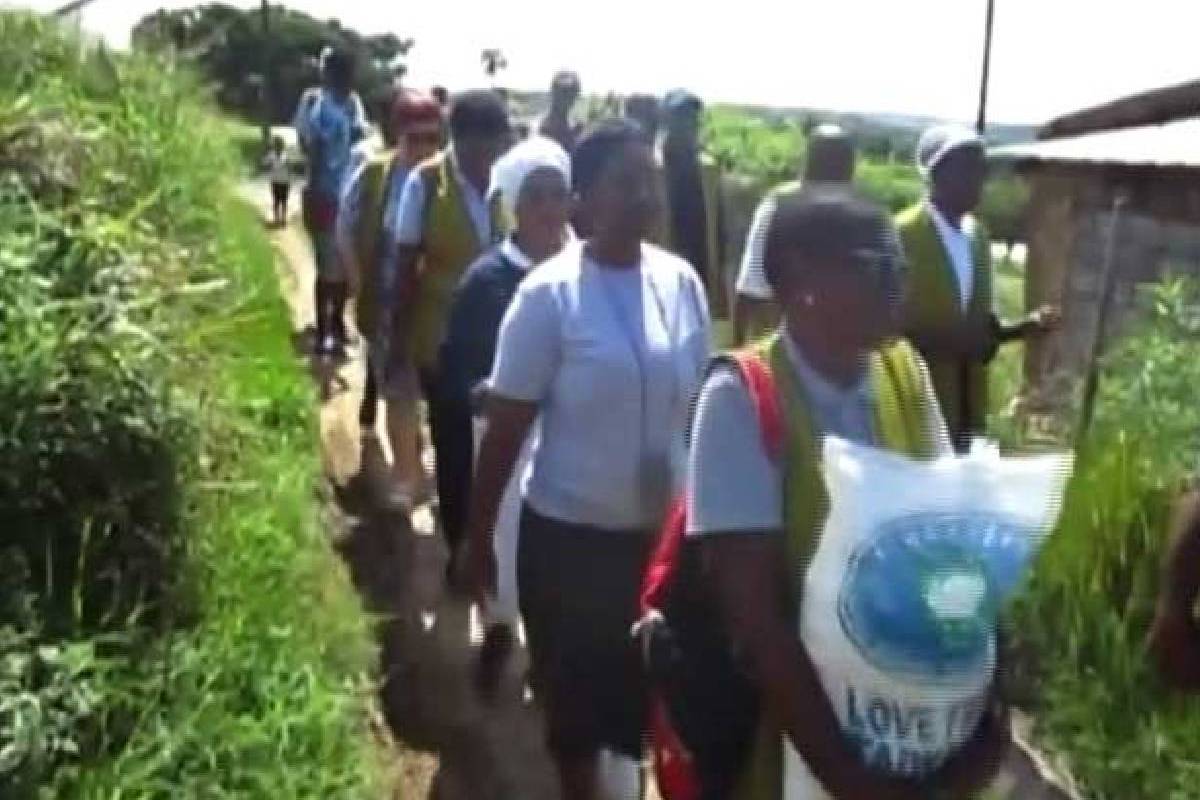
1086 611
171 624
229 46
770 149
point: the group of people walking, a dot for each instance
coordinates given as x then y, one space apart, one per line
552 301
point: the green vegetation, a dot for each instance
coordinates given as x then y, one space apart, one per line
229 47
172 622
1080 625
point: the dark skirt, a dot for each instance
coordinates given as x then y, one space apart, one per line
579 598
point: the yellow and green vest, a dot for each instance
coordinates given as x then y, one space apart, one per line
932 300
450 245
710 183
375 179
902 425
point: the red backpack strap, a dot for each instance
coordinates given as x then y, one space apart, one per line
761 383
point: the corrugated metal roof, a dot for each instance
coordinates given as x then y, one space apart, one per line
1174 144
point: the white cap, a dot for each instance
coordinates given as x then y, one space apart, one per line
511 169
941 140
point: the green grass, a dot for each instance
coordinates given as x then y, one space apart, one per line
173 622
1081 623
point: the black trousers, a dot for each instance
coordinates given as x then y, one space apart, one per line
454 449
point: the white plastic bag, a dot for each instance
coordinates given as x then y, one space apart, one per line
902 596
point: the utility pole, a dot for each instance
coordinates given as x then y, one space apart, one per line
981 120
268 82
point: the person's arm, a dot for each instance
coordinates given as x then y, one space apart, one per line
1043 320
754 307
407 234
508 425
349 210
1175 636
527 359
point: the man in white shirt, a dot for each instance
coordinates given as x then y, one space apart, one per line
948 308
831 158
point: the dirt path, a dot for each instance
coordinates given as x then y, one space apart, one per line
451 747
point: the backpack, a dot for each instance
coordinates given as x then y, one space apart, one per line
704 706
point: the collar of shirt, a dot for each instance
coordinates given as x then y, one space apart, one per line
515 256
957 242
477 203
844 412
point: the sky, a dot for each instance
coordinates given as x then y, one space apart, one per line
917 57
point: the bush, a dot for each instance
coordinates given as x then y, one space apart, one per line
171 621
1082 621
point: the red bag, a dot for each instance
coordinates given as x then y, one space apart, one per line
674 766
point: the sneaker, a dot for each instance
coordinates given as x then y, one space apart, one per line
493 658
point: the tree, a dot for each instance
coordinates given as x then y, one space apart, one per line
226 44
494 62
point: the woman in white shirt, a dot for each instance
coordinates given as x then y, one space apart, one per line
607 343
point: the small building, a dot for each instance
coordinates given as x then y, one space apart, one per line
1123 178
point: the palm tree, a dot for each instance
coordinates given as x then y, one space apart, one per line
493 62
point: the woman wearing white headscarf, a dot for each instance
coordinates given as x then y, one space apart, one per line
533 182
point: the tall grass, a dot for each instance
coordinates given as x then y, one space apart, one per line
1081 623
172 622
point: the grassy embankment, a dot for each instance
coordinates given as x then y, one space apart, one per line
173 622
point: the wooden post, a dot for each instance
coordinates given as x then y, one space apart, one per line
266 66
1100 329
981 119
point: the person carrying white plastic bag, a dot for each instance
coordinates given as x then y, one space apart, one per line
903 593
757 504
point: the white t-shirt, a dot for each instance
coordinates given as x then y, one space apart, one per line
278 169
613 357
733 486
752 278
958 243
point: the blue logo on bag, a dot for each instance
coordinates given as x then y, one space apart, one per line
920 597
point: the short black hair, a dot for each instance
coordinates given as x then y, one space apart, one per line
598 146
836 224
340 67
479 113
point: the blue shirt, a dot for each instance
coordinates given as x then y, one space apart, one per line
327 127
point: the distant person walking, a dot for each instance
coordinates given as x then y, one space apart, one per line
557 124
443 223
368 247
694 224
606 343
949 313
279 173
329 121
534 183
830 162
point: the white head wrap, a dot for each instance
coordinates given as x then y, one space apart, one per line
941 140
511 169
